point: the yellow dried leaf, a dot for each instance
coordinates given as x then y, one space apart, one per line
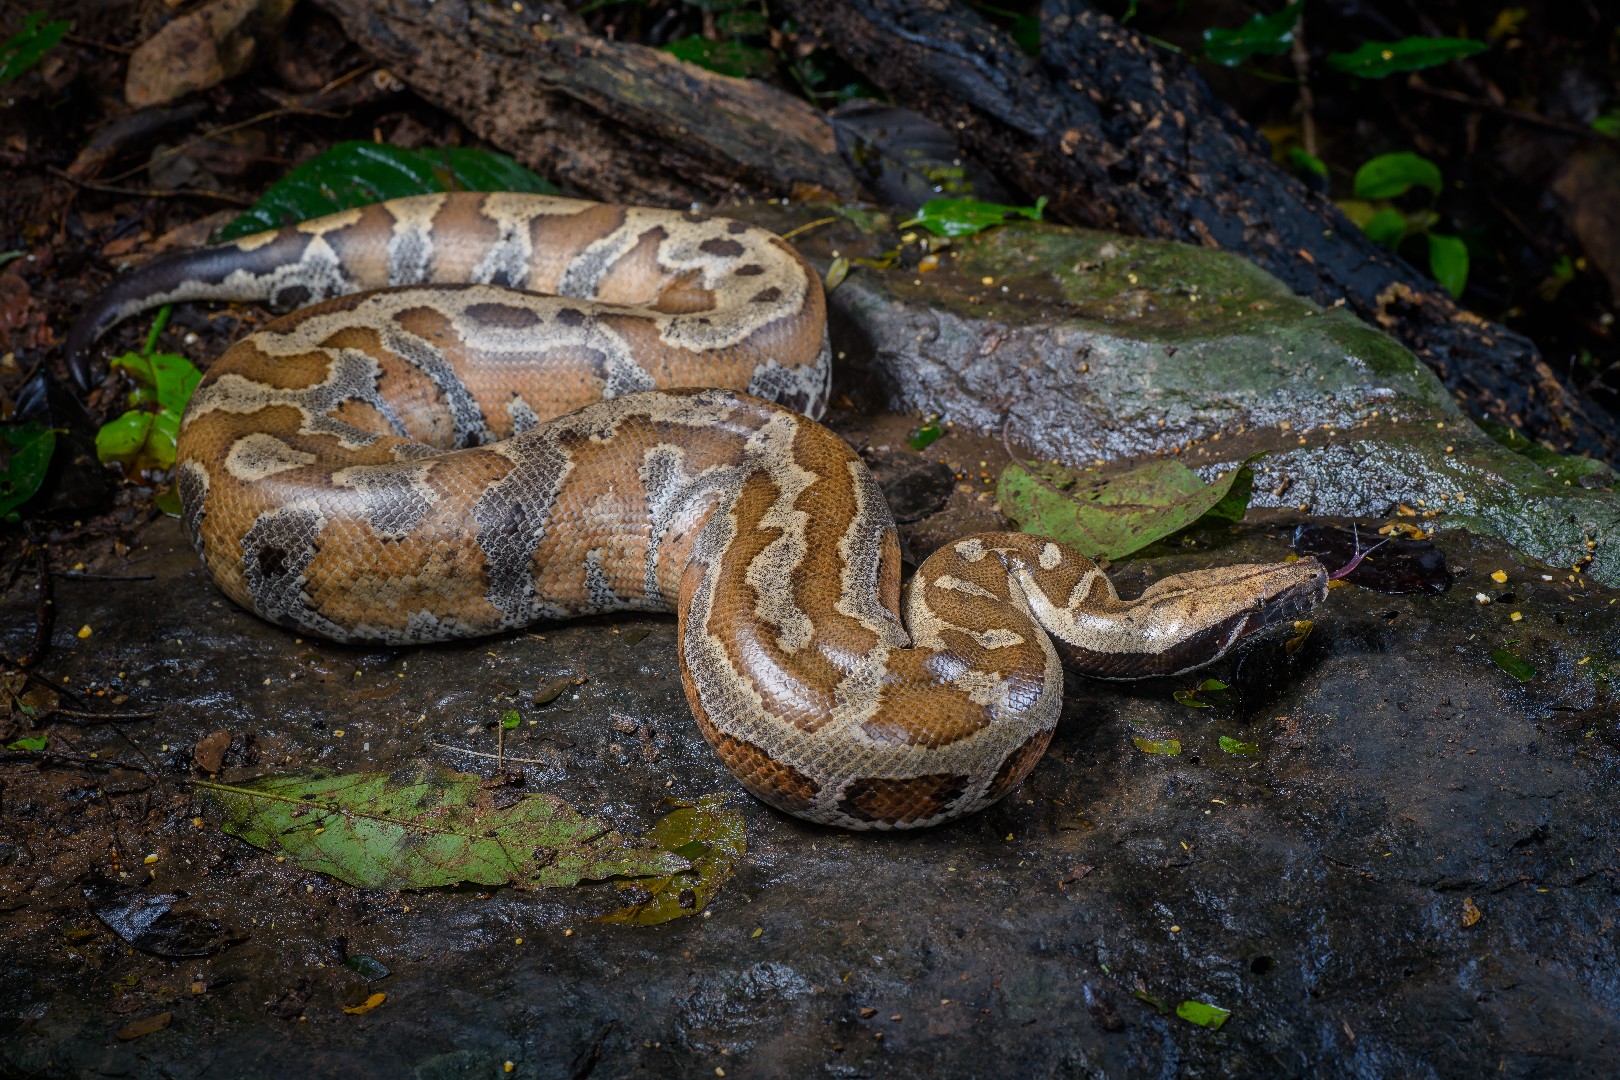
370 1003
1471 913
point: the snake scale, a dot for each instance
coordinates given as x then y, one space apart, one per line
500 408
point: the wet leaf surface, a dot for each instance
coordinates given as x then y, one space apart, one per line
964 217
144 436
1234 746
1376 59
712 838
1510 662
25 458
1267 35
1203 1014
1165 747
32 40
1111 515
354 174
428 827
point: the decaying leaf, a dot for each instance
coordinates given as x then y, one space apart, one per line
370 1003
429 827
1234 746
1157 746
707 834
144 1026
1470 912
1113 515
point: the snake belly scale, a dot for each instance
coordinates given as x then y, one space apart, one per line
501 408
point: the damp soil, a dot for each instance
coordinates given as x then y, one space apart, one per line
1414 871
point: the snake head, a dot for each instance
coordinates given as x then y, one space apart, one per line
1188 620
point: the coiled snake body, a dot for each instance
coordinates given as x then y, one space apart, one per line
429 452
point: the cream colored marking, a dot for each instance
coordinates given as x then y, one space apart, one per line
997 638
257 455
968 588
1050 557
971 549
411 240
257 240
330 223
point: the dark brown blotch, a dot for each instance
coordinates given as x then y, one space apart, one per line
902 802
1018 765
570 316
768 296
751 270
719 245
503 316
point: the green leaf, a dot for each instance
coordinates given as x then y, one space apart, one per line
964 217
724 841
1608 124
1307 162
1268 34
1203 1014
1157 746
1390 175
1448 262
1386 227
836 273
1376 59
33 40
925 436
1509 661
33 742
1190 699
726 57
427 827
25 458
354 174
1114 515
143 438
1233 746
511 719
168 502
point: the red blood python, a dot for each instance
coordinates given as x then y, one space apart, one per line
487 418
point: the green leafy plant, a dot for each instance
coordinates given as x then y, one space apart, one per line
727 57
925 436
964 217
1391 176
1376 59
33 39
354 174
427 828
1270 35
144 436
1212 689
25 459
1566 467
1113 515
33 743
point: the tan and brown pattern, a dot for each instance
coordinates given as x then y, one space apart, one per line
480 423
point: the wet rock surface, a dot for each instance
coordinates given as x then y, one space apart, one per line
1086 347
1320 888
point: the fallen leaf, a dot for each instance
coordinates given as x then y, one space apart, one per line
209 752
428 827
370 1003
1115 514
1154 746
200 49
1470 912
145 1026
716 841
1203 1014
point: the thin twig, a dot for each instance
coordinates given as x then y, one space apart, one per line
58 757
807 226
1530 118
204 136
491 757
150 193
83 717
81 575
1307 101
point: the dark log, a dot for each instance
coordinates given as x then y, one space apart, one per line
1123 136
616 121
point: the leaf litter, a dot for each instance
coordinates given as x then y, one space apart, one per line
431 826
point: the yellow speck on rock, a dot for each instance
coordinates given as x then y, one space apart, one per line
150 859
370 1003
1499 576
508 1065
85 631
